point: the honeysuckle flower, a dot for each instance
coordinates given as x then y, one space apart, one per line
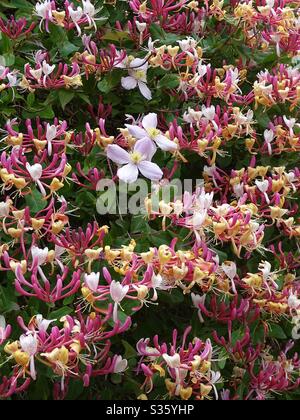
269 137
4 208
263 187
141 26
92 281
35 171
293 301
5 330
137 70
39 255
198 300
187 44
76 15
229 268
12 79
158 283
150 131
209 112
51 133
47 68
117 293
90 12
29 344
44 10
139 160
120 364
172 361
42 323
290 123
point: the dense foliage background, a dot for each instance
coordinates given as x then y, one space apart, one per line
223 80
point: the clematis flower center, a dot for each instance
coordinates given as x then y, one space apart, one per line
153 132
136 157
139 74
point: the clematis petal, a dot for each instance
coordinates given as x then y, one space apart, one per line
117 154
165 144
139 64
150 170
136 131
146 148
129 173
129 82
150 121
145 91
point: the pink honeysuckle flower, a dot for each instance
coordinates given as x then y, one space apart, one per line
149 131
139 160
120 364
117 292
92 281
29 344
5 330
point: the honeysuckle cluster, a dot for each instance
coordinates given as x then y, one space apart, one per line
197 103
186 370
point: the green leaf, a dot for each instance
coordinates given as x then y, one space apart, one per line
65 96
277 332
169 81
130 352
59 313
35 201
157 32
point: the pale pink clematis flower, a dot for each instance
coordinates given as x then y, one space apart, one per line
139 160
137 70
149 131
